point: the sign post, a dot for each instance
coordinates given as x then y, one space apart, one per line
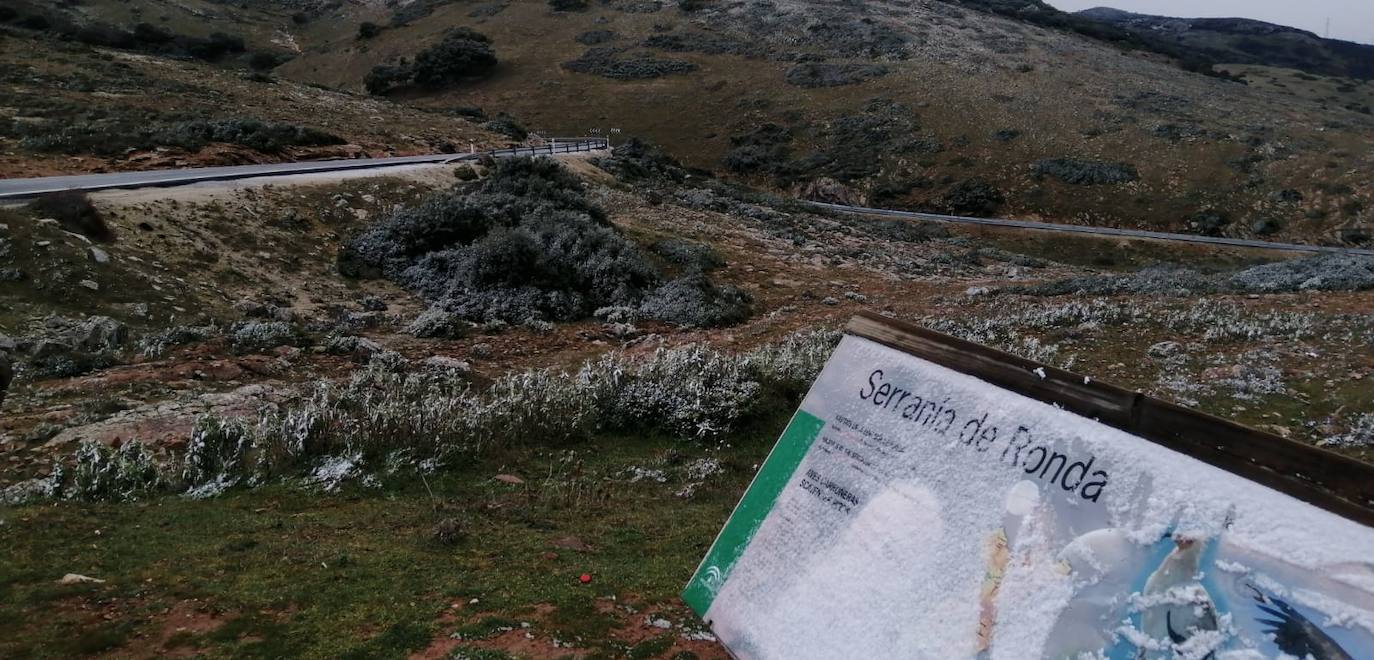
933 498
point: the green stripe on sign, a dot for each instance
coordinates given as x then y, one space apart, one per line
752 509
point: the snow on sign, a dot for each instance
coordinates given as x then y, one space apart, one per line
911 510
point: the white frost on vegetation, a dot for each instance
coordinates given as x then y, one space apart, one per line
383 420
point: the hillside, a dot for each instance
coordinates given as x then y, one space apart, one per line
499 408
1247 41
930 105
67 106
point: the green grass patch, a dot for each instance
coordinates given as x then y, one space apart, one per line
293 573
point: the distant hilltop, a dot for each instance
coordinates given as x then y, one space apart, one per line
1246 41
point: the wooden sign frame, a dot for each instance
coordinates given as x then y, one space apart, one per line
1322 478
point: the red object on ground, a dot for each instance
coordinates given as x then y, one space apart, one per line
584 578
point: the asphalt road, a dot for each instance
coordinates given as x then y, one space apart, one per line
12 189
1096 231
24 188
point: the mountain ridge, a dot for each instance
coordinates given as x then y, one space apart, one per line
1246 41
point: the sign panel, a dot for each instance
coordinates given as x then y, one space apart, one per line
914 511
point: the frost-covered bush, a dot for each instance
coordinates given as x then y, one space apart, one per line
98 472
258 336
381 421
154 344
221 454
1360 434
524 244
437 323
688 392
1326 272
694 301
790 365
101 472
1155 280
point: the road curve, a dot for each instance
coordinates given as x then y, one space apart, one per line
1097 231
12 189
25 188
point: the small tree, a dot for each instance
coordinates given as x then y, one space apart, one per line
463 53
385 78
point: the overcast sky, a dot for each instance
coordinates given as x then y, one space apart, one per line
1352 20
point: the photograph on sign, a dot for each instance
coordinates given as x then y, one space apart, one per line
910 510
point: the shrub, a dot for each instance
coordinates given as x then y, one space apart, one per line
368 30
1266 226
691 256
75 213
384 78
220 455
437 323
1324 272
1208 223
693 301
260 336
267 137
608 63
826 74
1085 172
698 42
973 196
462 53
764 149
853 147
594 37
568 5
100 472
409 13
635 160
900 231
507 126
118 136
526 244
468 112
263 61
382 421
